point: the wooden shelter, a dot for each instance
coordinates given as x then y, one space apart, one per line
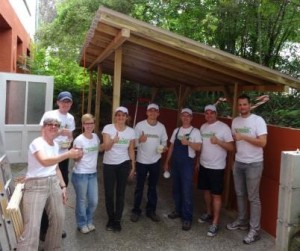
129 49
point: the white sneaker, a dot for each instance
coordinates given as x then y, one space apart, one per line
91 227
252 236
84 230
237 224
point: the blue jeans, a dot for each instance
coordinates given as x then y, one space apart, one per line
86 189
246 181
141 174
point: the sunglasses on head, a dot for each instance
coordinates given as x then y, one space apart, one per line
53 125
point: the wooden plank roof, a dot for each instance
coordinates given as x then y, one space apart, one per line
159 58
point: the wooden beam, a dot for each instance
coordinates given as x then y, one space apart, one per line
122 36
161 62
235 96
98 98
154 92
90 95
117 80
179 43
208 88
261 88
202 62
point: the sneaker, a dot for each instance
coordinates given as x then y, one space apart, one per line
205 218
110 225
42 237
212 230
174 215
237 224
186 226
63 234
91 227
84 230
134 217
153 217
251 237
117 226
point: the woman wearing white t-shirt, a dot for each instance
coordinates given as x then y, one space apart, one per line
44 189
118 143
84 176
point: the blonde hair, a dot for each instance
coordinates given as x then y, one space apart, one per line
86 117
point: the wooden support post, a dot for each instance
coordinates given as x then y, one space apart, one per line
227 194
235 95
154 92
98 98
182 94
117 80
90 96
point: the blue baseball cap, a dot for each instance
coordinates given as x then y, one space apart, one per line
64 96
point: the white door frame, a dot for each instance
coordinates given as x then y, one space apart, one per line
17 137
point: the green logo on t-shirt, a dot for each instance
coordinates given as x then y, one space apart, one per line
123 141
91 149
207 135
245 130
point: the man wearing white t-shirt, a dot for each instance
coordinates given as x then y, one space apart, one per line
250 135
64 139
151 135
216 141
65 133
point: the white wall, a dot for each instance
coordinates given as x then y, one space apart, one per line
26 16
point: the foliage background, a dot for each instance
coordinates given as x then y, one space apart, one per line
263 31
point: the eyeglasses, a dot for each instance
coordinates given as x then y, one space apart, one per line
53 125
91 123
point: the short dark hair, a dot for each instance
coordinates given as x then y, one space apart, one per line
244 96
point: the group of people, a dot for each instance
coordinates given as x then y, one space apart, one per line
47 175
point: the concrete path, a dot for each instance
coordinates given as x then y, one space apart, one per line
165 235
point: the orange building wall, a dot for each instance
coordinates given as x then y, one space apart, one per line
279 139
14 39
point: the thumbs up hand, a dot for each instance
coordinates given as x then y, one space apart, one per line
143 137
116 138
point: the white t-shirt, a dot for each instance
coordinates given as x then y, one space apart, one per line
90 147
194 137
66 120
35 168
252 126
119 151
156 135
213 156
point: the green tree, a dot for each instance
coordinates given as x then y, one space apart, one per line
257 30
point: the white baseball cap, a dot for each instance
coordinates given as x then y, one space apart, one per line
187 110
122 109
212 108
153 106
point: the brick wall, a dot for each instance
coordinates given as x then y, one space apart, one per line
14 40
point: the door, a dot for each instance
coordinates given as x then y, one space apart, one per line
23 100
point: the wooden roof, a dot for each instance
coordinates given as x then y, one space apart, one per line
159 58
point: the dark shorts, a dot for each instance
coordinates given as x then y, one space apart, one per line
210 179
